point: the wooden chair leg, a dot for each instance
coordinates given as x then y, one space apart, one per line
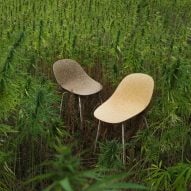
80 109
100 98
145 120
97 135
123 142
61 105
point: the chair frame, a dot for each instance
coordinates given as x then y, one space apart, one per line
122 137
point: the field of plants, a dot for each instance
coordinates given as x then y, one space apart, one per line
43 150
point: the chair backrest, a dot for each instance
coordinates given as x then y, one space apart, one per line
136 88
67 70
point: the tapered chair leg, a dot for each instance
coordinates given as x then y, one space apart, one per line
145 120
80 108
100 98
61 105
123 142
97 135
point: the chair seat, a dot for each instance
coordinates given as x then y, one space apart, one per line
82 85
131 97
114 111
71 76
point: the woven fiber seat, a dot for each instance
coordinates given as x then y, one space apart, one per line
131 97
71 76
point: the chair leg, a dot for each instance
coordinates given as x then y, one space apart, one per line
97 135
61 105
100 98
80 108
123 142
145 120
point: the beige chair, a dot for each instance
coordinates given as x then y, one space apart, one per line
130 98
71 77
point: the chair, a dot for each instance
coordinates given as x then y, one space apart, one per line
71 77
130 98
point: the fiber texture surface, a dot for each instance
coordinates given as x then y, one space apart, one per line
130 98
71 76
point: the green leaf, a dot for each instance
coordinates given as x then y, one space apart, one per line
66 184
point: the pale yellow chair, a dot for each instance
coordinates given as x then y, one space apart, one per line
71 77
130 98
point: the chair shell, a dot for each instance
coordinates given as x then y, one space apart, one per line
71 76
130 98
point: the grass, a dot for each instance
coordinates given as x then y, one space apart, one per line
110 39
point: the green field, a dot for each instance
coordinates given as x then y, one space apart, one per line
39 150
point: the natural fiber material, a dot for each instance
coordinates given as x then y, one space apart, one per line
70 75
131 97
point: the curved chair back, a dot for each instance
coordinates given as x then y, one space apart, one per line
135 88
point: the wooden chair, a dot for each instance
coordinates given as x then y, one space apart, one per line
71 77
130 98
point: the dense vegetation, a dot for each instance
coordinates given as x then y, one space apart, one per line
41 150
